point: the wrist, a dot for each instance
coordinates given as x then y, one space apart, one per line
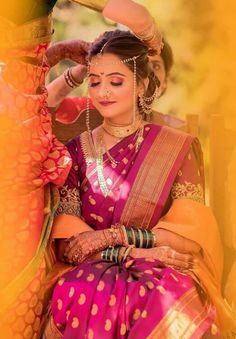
78 73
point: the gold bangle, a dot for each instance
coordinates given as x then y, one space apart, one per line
147 37
73 80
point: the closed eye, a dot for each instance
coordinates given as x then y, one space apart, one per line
94 84
116 83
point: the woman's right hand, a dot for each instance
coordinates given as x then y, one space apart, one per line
167 255
75 50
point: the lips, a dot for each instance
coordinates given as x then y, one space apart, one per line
106 103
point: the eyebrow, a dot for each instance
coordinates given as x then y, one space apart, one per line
107 75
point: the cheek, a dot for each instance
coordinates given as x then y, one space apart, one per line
161 75
92 92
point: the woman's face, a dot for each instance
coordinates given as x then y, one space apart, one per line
159 70
111 88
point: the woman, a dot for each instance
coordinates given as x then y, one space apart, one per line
31 157
131 217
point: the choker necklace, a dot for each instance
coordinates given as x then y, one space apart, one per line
121 132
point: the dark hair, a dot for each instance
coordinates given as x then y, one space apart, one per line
125 45
167 56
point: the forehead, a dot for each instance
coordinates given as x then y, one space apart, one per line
156 58
108 63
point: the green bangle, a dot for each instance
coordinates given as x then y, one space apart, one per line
108 254
148 239
129 236
137 238
116 254
144 238
140 238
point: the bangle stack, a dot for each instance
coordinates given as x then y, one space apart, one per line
140 238
70 80
112 254
151 34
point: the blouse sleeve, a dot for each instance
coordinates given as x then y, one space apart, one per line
189 182
70 109
70 202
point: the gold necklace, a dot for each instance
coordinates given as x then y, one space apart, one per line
122 131
101 149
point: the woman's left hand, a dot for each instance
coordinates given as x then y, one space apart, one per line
175 241
167 255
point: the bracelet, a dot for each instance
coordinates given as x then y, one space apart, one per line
70 80
140 238
154 35
126 253
147 37
111 254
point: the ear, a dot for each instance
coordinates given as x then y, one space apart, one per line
163 86
142 87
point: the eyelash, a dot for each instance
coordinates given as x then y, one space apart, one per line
94 84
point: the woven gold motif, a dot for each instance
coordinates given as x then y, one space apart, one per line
188 190
29 34
69 202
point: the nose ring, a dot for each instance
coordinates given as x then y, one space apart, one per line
107 94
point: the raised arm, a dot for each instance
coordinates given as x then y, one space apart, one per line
140 22
59 88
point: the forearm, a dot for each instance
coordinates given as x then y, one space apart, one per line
140 22
59 88
174 240
57 91
117 10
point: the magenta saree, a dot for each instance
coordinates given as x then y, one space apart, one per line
142 298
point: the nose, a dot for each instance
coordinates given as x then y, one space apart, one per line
104 93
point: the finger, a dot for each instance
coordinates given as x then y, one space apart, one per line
70 248
71 254
178 263
181 257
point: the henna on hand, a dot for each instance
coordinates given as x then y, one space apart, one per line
166 255
83 245
175 241
75 50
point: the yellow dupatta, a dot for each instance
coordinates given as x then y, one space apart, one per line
196 222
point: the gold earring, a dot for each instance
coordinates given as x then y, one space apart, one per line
146 102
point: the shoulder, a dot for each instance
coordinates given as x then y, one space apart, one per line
168 120
170 131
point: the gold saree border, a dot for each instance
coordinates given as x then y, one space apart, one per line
29 34
175 313
10 293
152 175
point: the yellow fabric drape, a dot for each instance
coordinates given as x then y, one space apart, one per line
196 222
